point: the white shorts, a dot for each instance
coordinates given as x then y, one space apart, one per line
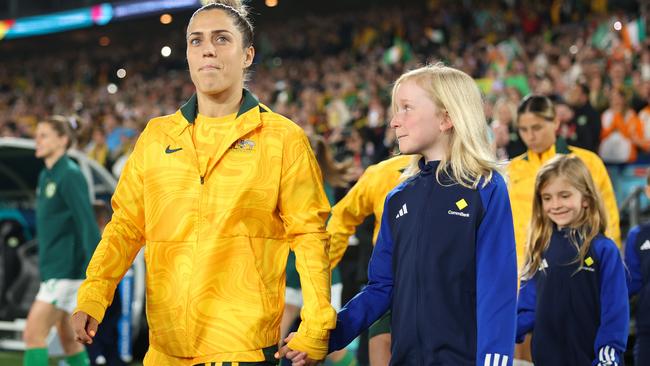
61 293
293 296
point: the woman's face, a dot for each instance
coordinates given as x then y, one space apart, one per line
48 141
215 55
537 133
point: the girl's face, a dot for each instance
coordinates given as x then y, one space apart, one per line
418 122
562 202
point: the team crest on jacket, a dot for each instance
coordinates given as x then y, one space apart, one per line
244 145
50 189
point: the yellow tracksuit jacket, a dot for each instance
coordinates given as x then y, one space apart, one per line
366 197
216 242
522 172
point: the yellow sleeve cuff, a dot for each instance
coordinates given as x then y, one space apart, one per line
92 308
315 343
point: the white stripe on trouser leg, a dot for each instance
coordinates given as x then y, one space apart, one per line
504 361
613 355
600 355
496 359
607 354
488 360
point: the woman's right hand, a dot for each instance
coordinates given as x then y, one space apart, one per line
85 327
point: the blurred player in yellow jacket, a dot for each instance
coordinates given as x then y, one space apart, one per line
364 199
217 193
537 124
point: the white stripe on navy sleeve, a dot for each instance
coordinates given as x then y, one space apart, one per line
495 359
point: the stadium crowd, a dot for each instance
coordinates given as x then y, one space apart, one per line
333 75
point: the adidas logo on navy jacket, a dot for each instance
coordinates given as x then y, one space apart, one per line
449 267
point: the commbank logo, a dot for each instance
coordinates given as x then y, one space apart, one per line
169 150
461 204
402 211
588 265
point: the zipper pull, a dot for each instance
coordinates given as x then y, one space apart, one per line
202 179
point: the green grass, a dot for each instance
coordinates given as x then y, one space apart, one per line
16 359
9 358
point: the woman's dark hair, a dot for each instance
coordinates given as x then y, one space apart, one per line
538 105
336 174
237 12
61 126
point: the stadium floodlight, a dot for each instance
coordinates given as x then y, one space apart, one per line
104 41
271 3
166 51
121 73
166 18
111 88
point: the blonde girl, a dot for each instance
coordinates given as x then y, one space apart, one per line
444 262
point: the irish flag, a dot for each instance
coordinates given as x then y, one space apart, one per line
634 33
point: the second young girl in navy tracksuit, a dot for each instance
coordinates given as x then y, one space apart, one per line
637 259
444 262
573 293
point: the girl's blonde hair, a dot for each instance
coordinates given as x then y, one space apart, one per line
591 221
469 157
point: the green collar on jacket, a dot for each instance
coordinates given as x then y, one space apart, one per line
561 147
190 109
59 165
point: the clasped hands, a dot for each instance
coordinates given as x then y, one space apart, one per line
298 358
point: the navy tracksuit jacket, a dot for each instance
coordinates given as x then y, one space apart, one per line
637 258
578 312
445 264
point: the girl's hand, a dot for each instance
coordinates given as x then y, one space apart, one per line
297 358
607 356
